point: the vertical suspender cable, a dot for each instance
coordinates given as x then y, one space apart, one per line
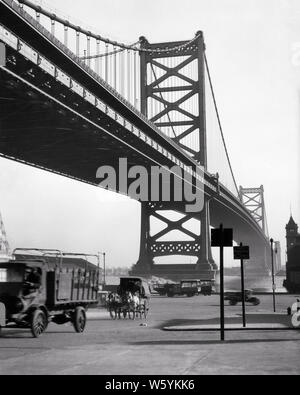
122 73
88 50
134 80
97 58
106 63
115 68
53 27
66 35
128 75
77 43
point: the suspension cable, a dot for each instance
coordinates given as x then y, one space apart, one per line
70 25
220 124
115 52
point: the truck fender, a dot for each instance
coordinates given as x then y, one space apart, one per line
38 307
2 315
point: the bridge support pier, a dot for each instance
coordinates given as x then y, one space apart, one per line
151 247
144 266
206 266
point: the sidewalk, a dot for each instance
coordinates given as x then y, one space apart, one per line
230 327
255 321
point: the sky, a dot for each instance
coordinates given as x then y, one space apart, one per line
253 48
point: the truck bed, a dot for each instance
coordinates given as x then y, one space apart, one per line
72 288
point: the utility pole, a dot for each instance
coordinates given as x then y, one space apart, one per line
273 276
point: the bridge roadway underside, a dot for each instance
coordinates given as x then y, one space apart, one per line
40 132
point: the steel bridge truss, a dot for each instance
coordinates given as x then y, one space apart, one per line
253 200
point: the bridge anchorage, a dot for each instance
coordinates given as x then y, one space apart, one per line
61 115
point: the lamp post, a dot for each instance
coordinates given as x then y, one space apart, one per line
104 266
273 275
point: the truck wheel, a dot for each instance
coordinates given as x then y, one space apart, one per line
38 323
79 320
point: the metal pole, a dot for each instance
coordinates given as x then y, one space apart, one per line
104 268
243 290
53 27
273 276
222 307
78 44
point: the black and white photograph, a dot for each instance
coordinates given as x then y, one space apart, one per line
149 190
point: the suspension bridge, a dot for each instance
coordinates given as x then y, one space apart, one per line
72 101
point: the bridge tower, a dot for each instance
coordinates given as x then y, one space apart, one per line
173 98
254 201
4 246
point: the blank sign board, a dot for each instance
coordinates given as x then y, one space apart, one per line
222 237
242 253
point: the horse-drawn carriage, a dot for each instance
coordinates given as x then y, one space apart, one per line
131 299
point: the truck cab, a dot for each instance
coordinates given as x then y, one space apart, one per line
22 286
190 287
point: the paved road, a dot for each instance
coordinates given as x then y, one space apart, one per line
125 347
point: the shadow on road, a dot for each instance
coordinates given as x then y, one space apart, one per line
251 319
209 342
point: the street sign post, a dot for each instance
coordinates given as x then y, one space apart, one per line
222 238
2 55
273 275
242 253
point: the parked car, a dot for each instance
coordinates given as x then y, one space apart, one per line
235 297
187 287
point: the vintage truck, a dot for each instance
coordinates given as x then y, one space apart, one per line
33 294
187 287
235 297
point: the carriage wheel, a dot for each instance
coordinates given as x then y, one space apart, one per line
139 312
113 313
38 323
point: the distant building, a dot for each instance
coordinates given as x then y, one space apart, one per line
292 282
278 264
